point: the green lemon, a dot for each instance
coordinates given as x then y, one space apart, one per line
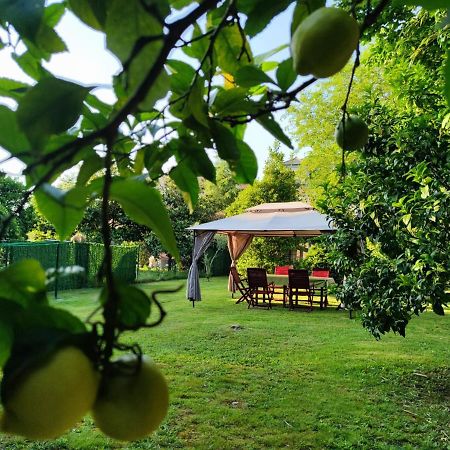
133 402
53 397
355 134
323 42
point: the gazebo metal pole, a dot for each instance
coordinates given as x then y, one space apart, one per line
193 250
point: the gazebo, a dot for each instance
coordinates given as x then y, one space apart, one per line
291 219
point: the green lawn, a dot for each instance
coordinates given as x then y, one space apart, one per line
284 379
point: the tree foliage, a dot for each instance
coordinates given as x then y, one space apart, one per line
278 184
312 124
11 195
392 209
215 198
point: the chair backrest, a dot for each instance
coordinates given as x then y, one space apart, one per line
322 273
256 277
282 270
298 279
235 275
239 284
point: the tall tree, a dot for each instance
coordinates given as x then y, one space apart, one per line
214 198
312 123
12 193
278 184
392 210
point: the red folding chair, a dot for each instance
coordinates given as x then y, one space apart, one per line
282 270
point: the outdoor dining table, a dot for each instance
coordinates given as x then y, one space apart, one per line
319 283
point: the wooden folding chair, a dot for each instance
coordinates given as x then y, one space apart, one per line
320 288
299 287
240 286
259 287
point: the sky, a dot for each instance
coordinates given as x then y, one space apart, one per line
89 62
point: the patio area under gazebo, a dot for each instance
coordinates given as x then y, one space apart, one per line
290 219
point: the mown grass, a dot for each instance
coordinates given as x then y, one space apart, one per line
283 379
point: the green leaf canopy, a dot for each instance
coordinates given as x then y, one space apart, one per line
50 107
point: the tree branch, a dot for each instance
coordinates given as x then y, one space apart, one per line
111 304
372 17
285 97
176 29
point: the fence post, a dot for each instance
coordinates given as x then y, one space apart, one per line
57 269
138 263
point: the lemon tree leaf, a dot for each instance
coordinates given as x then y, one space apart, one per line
137 72
90 166
225 142
197 105
91 12
196 157
12 88
286 74
144 205
23 282
228 49
127 22
139 161
48 40
45 316
31 66
64 209
187 182
249 76
181 75
260 13
246 167
231 101
155 157
53 14
134 305
273 128
438 309
11 136
259 59
50 107
103 108
6 341
25 15
200 162
179 4
198 48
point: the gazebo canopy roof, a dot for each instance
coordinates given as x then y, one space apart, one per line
272 219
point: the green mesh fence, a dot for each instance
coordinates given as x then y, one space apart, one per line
54 254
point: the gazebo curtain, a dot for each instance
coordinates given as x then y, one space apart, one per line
201 243
237 244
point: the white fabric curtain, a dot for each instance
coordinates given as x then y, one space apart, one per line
202 241
237 244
